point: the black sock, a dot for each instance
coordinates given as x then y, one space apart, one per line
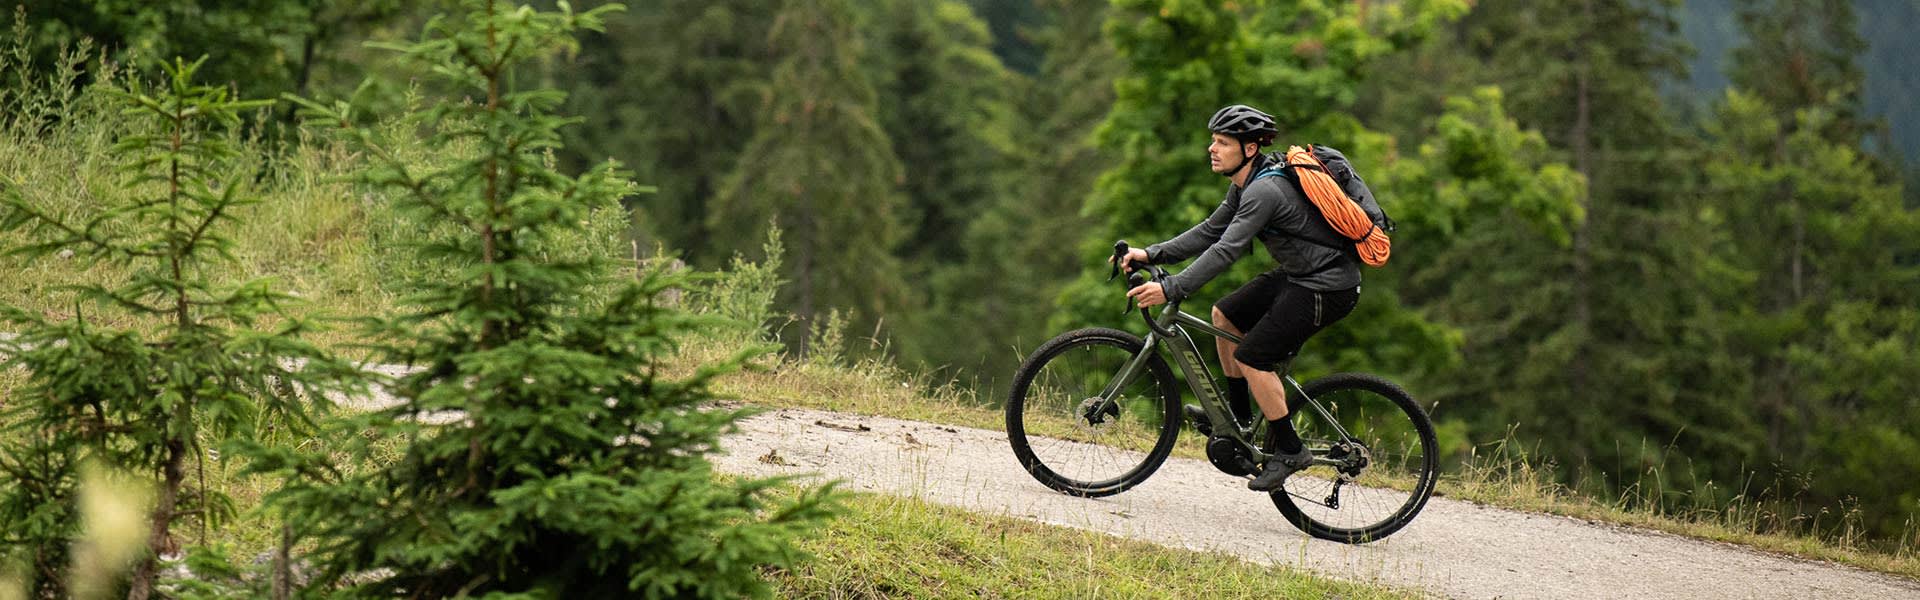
1285 439
1240 399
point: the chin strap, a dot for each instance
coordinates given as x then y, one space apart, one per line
1241 166
1244 162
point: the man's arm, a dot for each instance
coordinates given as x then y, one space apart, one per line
1195 239
1256 209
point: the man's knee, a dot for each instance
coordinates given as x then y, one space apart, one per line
1220 320
1250 357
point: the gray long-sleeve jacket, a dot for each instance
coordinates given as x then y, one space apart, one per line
1274 211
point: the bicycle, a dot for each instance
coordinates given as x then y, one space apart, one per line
1095 411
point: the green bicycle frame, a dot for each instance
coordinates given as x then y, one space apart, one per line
1186 355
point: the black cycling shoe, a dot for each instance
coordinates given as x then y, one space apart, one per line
1278 468
1201 422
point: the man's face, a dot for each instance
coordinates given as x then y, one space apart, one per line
1226 153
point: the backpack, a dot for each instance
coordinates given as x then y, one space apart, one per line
1326 178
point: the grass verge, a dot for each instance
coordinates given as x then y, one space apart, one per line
895 547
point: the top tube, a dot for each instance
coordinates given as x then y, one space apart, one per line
1182 318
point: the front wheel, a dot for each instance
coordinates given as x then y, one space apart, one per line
1383 471
1071 440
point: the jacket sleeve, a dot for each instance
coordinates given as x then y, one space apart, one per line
1195 239
1255 211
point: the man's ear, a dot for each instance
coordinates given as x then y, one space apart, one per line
1248 150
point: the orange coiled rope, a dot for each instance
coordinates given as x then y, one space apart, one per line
1341 212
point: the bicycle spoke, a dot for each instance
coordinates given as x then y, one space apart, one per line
1069 436
1376 468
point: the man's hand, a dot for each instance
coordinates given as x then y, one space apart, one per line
1148 295
1134 255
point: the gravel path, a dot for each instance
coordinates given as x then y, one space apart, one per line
1454 549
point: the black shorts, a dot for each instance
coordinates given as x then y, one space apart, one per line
1278 316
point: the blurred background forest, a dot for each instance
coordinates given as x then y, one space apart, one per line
1670 247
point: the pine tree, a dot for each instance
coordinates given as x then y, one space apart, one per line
674 88
187 360
946 103
821 167
1485 205
1586 75
1011 264
1013 23
545 453
1823 313
1822 242
1801 54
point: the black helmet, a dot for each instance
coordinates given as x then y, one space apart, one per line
1244 123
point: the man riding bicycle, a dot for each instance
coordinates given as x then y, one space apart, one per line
1314 284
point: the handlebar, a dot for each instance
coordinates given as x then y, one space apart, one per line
1135 279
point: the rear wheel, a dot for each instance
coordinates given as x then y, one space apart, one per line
1070 440
1385 471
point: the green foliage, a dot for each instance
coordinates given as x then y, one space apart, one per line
1302 61
947 103
840 210
1650 336
189 360
263 47
547 454
744 295
1561 305
1800 55
1817 310
1476 169
1011 263
674 88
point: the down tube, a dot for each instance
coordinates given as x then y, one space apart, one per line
1194 368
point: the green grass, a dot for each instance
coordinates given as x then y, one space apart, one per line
895 547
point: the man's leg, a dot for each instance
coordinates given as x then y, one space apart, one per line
1289 452
1239 397
1264 354
1269 393
1225 347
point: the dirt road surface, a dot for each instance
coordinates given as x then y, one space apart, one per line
1454 549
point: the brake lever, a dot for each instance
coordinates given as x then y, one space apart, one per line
1134 280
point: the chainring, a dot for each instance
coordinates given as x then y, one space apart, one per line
1230 457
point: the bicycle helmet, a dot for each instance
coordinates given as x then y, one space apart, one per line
1244 123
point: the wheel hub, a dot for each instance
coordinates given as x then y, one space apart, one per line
1354 458
1095 411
